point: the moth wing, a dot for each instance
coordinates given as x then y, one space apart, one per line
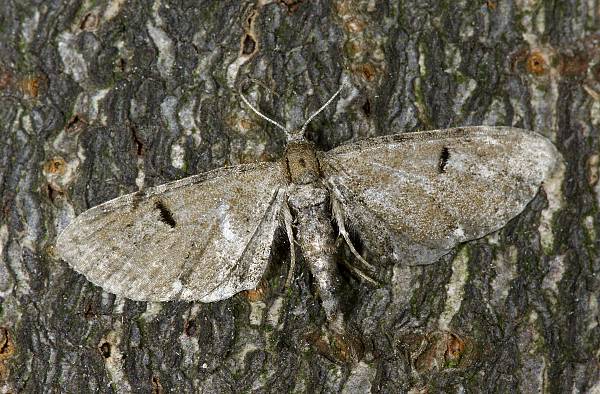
204 238
417 195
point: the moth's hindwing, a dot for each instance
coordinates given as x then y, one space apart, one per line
416 195
202 238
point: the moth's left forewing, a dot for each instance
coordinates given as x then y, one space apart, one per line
419 194
202 238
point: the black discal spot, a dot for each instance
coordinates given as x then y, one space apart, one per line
302 162
249 45
166 216
443 160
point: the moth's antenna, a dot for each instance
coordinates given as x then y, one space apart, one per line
321 109
265 117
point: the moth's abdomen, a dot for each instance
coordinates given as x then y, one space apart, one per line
317 241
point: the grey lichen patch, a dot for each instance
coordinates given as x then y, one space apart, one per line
73 61
88 105
190 349
505 268
455 288
187 121
541 97
112 9
169 114
465 86
360 379
532 373
29 26
554 274
113 359
274 313
257 311
166 51
168 111
234 68
464 91
453 59
593 169
404 282
553 188
532 21
496 113
153 309
178 154
588 224
420 101
595 113
6 281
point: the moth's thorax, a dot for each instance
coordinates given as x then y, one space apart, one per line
301 163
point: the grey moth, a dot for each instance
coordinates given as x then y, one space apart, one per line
209 236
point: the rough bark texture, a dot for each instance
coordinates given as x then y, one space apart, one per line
100 98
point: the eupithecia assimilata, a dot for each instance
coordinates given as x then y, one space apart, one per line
209 236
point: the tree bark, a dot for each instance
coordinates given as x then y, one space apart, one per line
99 99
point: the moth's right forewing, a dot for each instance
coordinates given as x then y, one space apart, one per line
417 195
202 238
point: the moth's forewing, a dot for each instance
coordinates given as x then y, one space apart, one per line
416 195
202 238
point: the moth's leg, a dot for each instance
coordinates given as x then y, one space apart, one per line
339 218
288 219
360 274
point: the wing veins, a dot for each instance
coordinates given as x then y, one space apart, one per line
252 239
188 265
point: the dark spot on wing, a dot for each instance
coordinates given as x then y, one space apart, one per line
302 162
443 160
166 216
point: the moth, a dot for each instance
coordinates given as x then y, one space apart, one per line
412 196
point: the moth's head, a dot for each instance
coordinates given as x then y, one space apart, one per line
294 135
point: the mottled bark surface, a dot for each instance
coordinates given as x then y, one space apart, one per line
98 99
